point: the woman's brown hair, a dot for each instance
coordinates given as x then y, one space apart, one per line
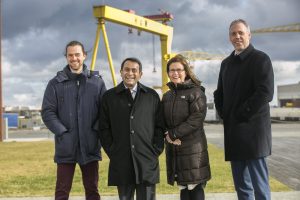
184 61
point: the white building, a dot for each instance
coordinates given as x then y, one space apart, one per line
289 95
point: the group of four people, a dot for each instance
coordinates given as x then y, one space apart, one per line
133 125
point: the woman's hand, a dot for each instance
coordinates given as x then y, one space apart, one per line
175 142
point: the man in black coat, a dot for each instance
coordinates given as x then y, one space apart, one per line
245 88
131 128
71 110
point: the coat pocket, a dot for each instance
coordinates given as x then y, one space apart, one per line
64 145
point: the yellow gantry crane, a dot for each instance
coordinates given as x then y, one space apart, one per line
130 19
157 25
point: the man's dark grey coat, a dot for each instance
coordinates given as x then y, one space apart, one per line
245 88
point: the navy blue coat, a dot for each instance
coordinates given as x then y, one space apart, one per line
70 110
245 88
132 135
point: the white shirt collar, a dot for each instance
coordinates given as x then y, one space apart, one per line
134 89
236 53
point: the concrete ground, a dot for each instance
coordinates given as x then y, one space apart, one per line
215 196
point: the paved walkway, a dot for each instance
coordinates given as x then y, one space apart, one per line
211 196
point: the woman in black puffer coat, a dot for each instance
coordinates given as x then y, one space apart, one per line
186 146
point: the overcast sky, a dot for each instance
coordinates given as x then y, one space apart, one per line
35 32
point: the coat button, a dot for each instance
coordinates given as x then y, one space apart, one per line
132 146
129 104
131 117
132 131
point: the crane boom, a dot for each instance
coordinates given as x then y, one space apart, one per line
194 56
285 28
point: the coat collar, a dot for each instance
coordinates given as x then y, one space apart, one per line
181 86
64 75
120 88
244 54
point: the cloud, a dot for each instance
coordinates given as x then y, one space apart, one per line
286 72
21 16
36 46
35 33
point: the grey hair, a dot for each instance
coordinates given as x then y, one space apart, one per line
240 21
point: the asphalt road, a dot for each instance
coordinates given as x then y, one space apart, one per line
284 163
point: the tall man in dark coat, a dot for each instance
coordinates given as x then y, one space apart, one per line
71 111
245 88
132 134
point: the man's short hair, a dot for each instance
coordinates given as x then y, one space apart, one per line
75 43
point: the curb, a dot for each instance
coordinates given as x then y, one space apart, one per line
294 195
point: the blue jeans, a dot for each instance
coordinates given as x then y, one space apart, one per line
251 179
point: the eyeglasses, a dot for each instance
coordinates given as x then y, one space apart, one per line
179 71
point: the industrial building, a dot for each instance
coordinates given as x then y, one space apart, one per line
289 95
23 117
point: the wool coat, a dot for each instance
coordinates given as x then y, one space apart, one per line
70 110
131 133
184 109
245 88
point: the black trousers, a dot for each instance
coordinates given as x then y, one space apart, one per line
143 192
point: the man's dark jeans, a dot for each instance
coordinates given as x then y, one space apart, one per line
90 176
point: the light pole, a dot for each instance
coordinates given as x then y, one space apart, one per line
1 113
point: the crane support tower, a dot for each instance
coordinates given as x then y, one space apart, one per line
149 24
